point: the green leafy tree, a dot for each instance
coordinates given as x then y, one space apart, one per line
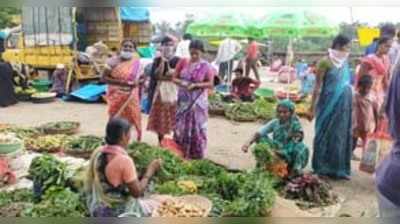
8 16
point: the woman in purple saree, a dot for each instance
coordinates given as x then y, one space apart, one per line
193 76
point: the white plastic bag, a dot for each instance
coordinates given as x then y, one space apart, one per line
168 92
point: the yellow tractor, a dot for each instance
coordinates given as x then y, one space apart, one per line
57 35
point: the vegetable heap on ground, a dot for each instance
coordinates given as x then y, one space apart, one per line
51 196
267 159
216 104
233 194
260 109
83 144
46 143
310 192
60 127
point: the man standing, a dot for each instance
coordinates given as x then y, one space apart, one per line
182 49
225 57
252 58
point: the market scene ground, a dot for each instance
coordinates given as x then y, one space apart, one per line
284 114
225 141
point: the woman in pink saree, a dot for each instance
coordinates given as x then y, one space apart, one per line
122 75
378 66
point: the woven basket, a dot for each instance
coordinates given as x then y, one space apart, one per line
52 150
78 154
43 100
216 112
195 200
67 131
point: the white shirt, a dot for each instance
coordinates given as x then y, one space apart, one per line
394 51
227 50
182 50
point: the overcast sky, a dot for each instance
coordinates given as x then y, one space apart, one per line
371 15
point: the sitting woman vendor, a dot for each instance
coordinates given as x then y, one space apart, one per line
243 87
287 138
113 186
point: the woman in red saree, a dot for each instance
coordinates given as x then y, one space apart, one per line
378 66
122 74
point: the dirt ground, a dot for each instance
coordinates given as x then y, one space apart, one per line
224 142
225 139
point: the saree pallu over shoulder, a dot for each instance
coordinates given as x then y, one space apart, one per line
192 111
117 96
333 139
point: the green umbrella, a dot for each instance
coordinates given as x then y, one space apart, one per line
232 25
297 24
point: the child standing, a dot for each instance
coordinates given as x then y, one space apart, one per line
365 111
308 80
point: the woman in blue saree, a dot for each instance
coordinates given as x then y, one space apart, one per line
332 105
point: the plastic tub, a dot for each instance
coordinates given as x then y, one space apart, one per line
41 85
10 148
264 92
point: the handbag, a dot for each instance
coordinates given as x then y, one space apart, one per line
168 92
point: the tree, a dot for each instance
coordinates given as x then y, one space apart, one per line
8 16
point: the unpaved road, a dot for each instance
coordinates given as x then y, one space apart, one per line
225 140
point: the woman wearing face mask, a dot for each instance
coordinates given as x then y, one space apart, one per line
332 104
194 76
287 137
378 66
122 74
162 91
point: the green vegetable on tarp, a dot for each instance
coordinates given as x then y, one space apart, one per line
46 171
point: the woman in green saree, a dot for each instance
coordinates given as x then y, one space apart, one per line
287 137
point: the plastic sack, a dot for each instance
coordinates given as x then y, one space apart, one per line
375 150
172 146
168 92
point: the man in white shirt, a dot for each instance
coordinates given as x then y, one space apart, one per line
226 52
182 49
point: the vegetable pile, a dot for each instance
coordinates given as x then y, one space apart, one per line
264 109
28 91
58 202
241 112
267 160
50 197
9 139
232 194
310 192
216 104
83 144
46 171
22 133
13 204
61 127
46 143
174 208
260 109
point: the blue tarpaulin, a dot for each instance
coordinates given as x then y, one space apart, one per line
134 14
90 93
